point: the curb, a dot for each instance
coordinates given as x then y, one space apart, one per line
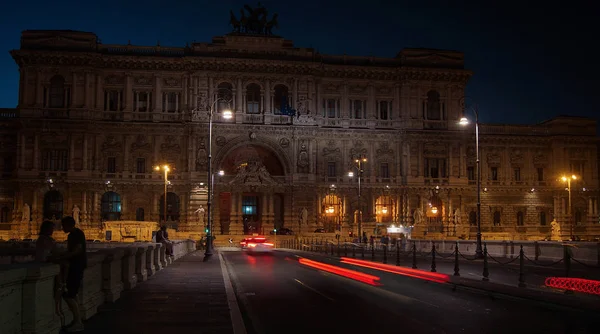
575 301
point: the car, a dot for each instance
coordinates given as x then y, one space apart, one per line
258 245
320 230
244 243
283 231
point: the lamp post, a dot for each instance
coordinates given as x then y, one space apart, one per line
568 179
166 169
465 121
226 114
359 167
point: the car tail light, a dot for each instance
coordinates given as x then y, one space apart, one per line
268 244
251 245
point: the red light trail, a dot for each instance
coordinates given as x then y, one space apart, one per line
421 274
355 275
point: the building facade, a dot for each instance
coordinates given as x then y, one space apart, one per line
93 120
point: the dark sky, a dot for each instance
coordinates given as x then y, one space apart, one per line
531 62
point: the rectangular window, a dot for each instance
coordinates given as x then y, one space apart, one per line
435 168
576 167
249 205
540 174
385 107
384 170
517 174
170 102
331 172
55 160
140 165
471 173
112 100
358 110
494 174
142 101
111 165
330 108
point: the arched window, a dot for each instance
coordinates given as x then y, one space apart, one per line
57 92
253 99
473 218
4 214
111 206
543 218
172 207
433 105
520 218
281 99
139 214
225 97
497 216
53 205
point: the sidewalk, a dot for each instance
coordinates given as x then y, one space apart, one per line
189 295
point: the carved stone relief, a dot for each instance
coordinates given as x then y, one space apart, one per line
141 143
253 173
111 144
303 159
170 144
143 81
172 82
284 142
516 157
201 157
494 157
114 80
221 141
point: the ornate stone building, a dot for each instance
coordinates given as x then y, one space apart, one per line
94 119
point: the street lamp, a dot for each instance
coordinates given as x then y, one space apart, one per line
465 121
226 114
359 162
568 179
166 169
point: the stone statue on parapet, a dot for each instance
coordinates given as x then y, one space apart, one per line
555 230
253 21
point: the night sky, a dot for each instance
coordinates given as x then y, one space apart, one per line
531 63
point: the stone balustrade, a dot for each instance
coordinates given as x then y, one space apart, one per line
27 303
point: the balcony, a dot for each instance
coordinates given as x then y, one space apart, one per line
253 119
436 181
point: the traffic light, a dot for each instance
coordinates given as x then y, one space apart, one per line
205 230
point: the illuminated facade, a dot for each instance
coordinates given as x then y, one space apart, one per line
94 119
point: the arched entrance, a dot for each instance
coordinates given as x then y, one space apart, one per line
53 205
254 202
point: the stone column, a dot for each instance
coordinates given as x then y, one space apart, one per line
239 105
99 92
126 168
84 164
195 97
71 152
86 90
294 101
74 91
83 216
157 94
185 96
36 152
23 144
268 98
39 89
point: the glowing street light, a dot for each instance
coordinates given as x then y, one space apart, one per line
359 162
166 170
568 179
465 121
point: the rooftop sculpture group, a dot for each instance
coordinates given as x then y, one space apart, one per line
254 22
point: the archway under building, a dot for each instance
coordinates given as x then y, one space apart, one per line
248 198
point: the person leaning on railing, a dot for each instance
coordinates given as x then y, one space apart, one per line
46 250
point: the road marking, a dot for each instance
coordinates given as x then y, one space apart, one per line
314 290
237 321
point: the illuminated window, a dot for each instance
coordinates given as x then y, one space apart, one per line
250 205
111 206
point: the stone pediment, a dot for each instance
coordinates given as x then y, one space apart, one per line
141 144
253 173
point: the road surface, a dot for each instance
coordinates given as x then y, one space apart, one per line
277 294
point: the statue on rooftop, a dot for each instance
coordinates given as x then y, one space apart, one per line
253 21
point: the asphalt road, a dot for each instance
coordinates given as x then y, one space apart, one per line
277 294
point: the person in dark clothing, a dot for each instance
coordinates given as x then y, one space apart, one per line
77 258
162 237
